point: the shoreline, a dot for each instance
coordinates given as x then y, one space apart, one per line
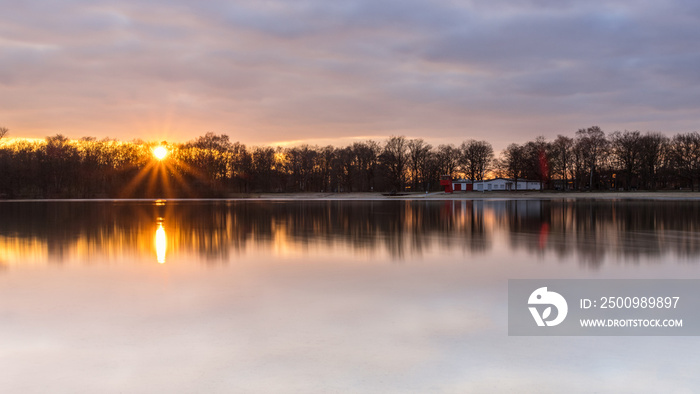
433 196
493 195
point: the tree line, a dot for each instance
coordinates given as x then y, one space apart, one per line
213 166
591 160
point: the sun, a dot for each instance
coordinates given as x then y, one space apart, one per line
160 152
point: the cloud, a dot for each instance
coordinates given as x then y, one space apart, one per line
266 71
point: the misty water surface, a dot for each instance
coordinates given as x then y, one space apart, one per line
319 296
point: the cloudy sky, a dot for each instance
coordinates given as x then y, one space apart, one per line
322 71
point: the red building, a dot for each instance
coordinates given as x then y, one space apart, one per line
455 185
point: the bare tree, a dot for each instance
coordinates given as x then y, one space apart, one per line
562 152
60 160
263 162
3 132
241 166
447 157
592 143
653 147
686 156
625 149
212 141
326 159
476 158
213 157
513 162
367 155
300 164
537 164
344 168
418 152
395 158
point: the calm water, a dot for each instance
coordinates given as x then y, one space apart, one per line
326 296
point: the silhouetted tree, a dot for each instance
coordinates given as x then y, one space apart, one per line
367 157
343 166
211 165
418 153
476 158
241 166
562 152
394 158
447 157
59 164
653 154
326 160
591 143
263 167
626 149
513 162
686 155
537 160
211 141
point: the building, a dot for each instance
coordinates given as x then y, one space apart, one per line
502 184
462 185
505 184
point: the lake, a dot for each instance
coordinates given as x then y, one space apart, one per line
326 296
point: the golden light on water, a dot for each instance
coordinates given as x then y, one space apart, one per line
160 152
161 243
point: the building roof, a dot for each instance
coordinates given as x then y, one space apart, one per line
508 179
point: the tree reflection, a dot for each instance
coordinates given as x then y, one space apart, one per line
587 230
593 229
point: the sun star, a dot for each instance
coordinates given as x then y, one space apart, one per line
160 152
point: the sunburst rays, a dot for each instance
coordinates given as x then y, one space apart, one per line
164 175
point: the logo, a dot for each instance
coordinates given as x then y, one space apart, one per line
543 297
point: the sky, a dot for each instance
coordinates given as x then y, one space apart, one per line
319 71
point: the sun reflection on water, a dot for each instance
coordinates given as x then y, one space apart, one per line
161 242
214 231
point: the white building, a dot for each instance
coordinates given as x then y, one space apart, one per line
505 184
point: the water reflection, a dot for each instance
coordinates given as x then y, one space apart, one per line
161 242
586 230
